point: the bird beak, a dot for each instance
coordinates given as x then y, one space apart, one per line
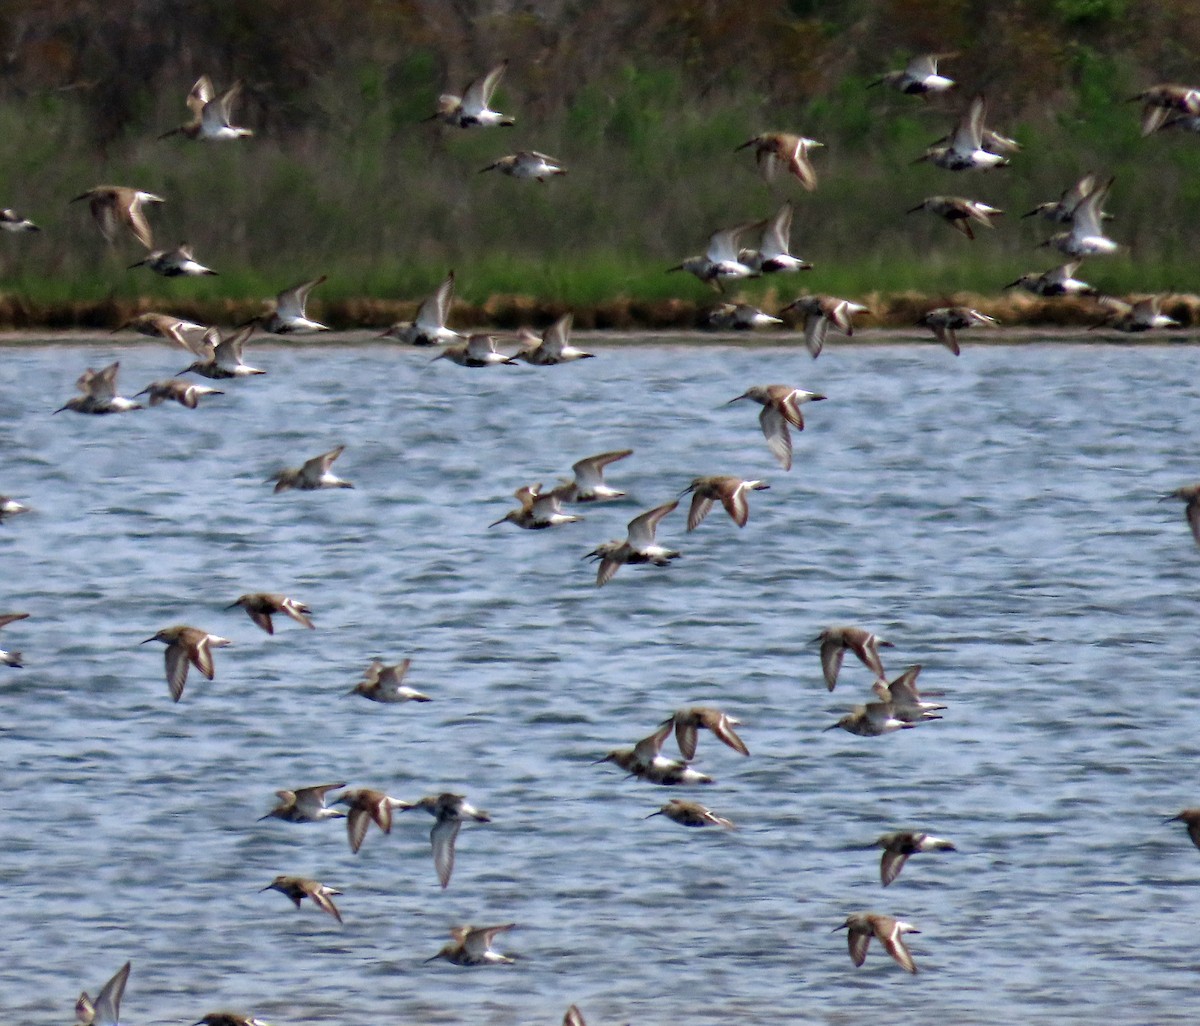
235 604
732 401
653 814
842 927
1013 284
832 726
434 958
913 210
155 638
495 522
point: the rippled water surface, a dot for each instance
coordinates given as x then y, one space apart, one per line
995 516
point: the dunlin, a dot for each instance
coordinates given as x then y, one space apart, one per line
538 510
210 114
106 1009
450 810
946 321
1144 315
472 945
919 77
383 683
300 887
720 261
261 605
822 313
99 396
116 205
641 754
639 546
903 696
174 263
774 248
780 407
314 474
959 212
890 931
11 658
473 108
1160 100
775 150
428 328
1190 494
1086 235
479 350
1062 210
11 221
644 762
1191 819
687 724
161 325
732 492
229 1019
186 393
1058 281
304 805
964 151
9 507
691 814
528 164
837 641
588 484
286 314
555 346
899 846
366 807
220 357
738 317
184 645
876 718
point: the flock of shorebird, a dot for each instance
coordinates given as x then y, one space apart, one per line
897 704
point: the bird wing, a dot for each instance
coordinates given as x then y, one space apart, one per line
968 133
816 328
201 93
320 465
357 821
556 336
642 528
894 942
107 1006
776 239
103 384
700 508
779 438
177 669
479 91
589 471
134 216
832 655
443 835
723 243
432 313
858 942
890 866
735 503
290 302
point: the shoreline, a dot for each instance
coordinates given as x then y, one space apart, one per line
1002 335
894 312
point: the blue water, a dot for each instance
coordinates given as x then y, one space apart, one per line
996 516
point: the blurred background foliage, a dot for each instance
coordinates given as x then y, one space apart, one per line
644 102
